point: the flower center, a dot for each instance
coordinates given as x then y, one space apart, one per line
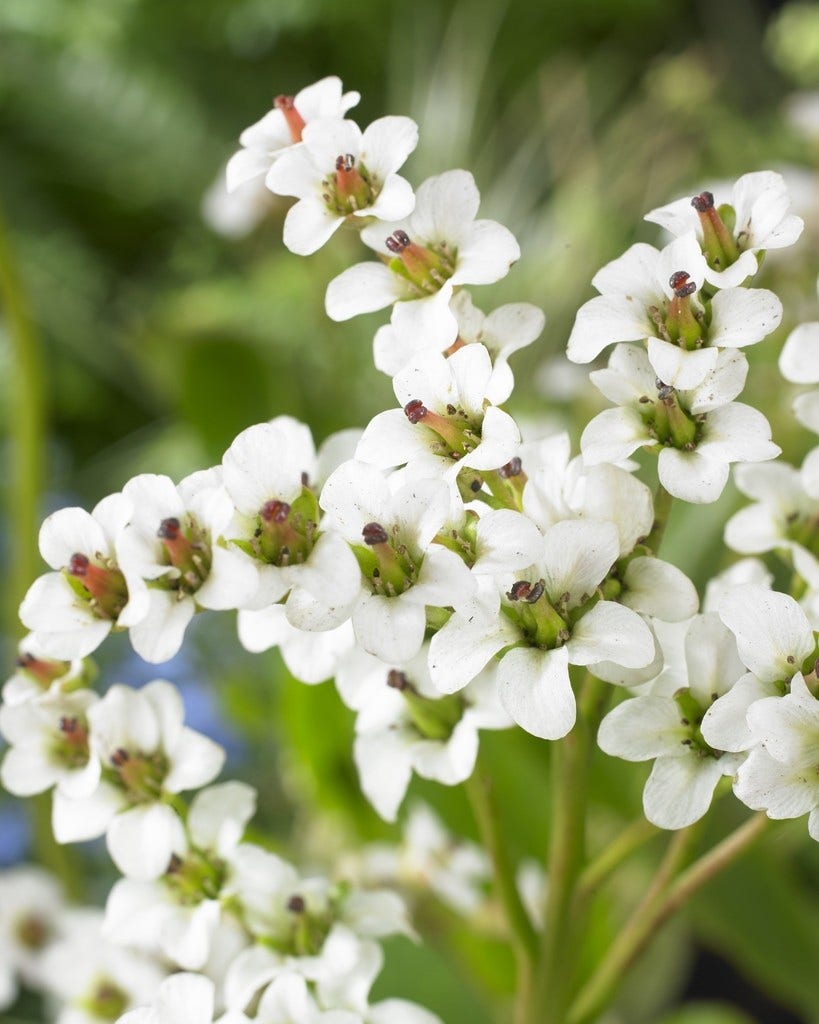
195 878
42 670
102 587
187 550
70 747
719 245
139 775
683 321
425 267
433 718
105 1001
453 435
542 623
668 422
350 188
285 534
691 715
32 931
386 561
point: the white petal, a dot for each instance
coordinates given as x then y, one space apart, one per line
536 691
724 726
577 555
659 589
679 368
687 475
363 288
679 790
158 636
610 632
643 728
387 143
219 814
391 628
384 762
308 225
799 361
73 821
68 531
142 839
196 760
743 316
186 999
486 253
773 634
606 320
612 436
782 790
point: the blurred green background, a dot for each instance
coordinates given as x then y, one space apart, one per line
135 336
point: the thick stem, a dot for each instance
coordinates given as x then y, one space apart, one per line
663 899
569 780
599 870
524 938
662 510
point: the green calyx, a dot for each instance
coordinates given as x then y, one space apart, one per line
435 718
187 549
285 533
668 421
351 187
426 268
542 623
70 747
386 562
101 586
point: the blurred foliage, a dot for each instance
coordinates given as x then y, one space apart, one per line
163 339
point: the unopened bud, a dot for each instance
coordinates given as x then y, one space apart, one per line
415 410
78 564
374 533
275 511
295 122
398 241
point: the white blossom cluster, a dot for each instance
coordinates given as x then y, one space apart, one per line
448 575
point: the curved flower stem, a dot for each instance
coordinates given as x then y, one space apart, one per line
663 899
524 938
663 502
600 869
569 779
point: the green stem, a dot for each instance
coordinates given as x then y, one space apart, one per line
26 428
524 938
663 899
600 869
662 510
569 781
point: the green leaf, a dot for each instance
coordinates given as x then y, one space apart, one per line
707 1013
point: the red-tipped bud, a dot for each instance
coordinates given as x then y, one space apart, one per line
374 533
169 529
522 590
295 122
512 468
78 564
415 410
397 680
275 511
398 241
682 284
704 201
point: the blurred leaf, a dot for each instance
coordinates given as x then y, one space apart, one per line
707 1013
762 920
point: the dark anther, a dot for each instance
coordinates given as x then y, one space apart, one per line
169 528
275 511
704 201
296 905
283 102
681 283
512 468
415 410
174 865
24 660
68 725
475 486
345 162
520 591
535 593
374 533
397 680
119 757
305 480
78 565
663 390
398 241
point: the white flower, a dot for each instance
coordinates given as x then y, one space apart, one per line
49 745
799 363
72 610
36 674
403 571
271 473
774 638
552 617
147 754
667 729
698 432
784 514
281 128
502 332
405 725
340 172
236 214
756 219
93 979
287 1000
446 421
172 544
182 999
779 775
178 915
439 247
30 906
311 657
